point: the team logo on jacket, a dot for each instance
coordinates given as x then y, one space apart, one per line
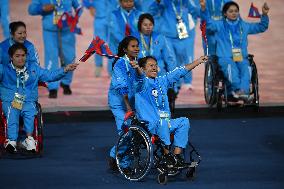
155 93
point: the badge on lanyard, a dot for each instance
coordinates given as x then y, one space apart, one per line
18 101
58 12
237 55
164 114
164 118
181 28
216 17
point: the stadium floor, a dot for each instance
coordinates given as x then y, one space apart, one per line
236 153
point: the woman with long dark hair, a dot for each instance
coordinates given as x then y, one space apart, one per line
121 91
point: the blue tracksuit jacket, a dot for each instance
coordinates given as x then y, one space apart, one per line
4 17
101 20
215 11
117 27
183 54
148 107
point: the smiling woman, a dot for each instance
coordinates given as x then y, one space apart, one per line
18 34
152 105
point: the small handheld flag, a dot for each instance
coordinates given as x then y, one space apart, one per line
203 35
99 47
68 20
253 12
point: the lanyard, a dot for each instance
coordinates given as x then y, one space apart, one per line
159 90
126 62
148 49
232 40
21 75
58 3
123 16
175 9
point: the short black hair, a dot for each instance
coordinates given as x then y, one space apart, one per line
145 16
227 6
15 47
142 61
13 26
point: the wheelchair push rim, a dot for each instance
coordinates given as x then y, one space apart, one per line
210 91
134 153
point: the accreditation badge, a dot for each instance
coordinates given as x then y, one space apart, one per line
216 17
181 29
57 15
237 55
18 101
164 114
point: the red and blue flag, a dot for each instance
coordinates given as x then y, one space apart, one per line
99 47
67 20
253 12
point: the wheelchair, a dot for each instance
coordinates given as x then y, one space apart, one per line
138 151
37 135
215 89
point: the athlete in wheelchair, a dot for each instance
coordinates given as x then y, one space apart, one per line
231 76
148 142
19 94
31 145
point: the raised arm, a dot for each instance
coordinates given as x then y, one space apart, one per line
262 26
211 25
179 72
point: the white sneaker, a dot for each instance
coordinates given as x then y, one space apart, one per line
29 143
10 146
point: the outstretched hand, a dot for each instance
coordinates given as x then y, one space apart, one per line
202 59
48 8
202 4
196 62
265 9
70 67
134 64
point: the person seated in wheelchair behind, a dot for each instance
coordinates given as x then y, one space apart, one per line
19 92
231 35
152 105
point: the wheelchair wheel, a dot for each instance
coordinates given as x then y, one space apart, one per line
38 131
254 84
210 82
134 153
